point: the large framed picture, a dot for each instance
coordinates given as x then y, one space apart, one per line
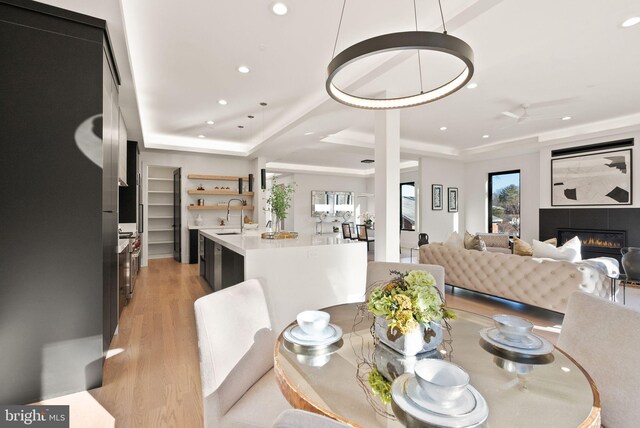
436 196
453 199
592 179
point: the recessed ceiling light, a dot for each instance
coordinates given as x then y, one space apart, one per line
472 85
240 126
566 118
243 69
222 102
443 128
209 122
308 133
631 22
485 136
200 136
279 9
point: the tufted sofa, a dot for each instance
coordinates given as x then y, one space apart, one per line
540 282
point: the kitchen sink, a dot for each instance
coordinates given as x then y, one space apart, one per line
228 233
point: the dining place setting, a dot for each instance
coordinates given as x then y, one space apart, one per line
369 365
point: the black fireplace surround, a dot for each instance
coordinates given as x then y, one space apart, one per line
602 231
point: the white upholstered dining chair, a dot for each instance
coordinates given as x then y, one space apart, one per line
302 419
604 338
235 342
379 271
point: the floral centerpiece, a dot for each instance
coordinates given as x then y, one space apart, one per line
408 312
367 218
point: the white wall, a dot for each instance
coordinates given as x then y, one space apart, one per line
195 164
305 183
450 173
476 185
545 164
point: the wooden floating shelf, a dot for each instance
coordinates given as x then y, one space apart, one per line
216 177
219 192
220 207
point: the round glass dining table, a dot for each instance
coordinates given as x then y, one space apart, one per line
521 391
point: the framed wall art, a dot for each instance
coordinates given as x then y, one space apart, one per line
453 199
436 196
592 179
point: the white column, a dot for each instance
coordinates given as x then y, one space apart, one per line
387 185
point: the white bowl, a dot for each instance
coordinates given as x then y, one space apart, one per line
251 226
512 327
441 380
313 322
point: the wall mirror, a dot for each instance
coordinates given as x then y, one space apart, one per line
332 203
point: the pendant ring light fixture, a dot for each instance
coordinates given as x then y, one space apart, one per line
409 40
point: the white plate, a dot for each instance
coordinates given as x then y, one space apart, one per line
461 406
475 417
337 335
300 334
529 341
546 348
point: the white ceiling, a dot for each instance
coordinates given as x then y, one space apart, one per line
563 58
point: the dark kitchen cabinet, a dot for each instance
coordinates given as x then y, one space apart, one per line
232 268
128 212
220 266
193 246
58 86
208 261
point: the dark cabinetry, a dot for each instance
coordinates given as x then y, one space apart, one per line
129 194
220 266
58 85
193 246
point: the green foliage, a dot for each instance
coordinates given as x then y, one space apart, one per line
507 198
280 198
380 386
408 300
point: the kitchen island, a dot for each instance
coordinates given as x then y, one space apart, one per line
309 272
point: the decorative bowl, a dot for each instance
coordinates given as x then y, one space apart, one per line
512 327
313 322
441 380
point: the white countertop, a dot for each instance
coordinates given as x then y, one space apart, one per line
122 245
251 240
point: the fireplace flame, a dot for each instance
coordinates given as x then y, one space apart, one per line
594 242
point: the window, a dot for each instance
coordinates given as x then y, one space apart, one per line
408 206
504 202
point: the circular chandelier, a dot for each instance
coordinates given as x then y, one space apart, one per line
408 40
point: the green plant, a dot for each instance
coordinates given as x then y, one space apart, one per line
409 299
380 386
280 198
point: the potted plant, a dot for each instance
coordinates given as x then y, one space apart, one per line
408 312
279 201
367 219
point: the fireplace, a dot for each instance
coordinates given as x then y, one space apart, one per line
596 243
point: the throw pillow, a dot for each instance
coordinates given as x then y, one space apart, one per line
498 240
473 242
522 248
454 240
570 251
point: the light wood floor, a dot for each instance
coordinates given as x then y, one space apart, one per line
155 380
152 378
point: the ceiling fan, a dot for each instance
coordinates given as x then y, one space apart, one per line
524 115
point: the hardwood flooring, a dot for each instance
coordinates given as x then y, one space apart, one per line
152 376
